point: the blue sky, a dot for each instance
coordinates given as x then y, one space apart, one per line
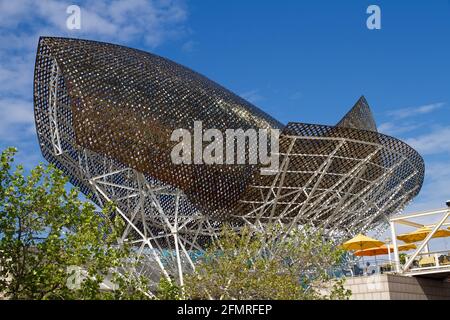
305 61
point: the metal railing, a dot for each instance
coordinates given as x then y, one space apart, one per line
363 268
431 260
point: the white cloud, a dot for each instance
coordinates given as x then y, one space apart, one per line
252 96
16 119
11 10
436 188
396 128
152 21
189 46
15 111
435 142
415 111
432 142
16 78
147 23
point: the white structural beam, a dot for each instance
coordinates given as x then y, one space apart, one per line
410 223
407 220
394 243
419 214
53 109
424 243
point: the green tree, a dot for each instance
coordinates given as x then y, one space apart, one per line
168 290
275 264
402 257
46 229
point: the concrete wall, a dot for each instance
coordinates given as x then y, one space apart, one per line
394 287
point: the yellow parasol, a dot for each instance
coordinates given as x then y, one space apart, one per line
361 242
384 250
421 233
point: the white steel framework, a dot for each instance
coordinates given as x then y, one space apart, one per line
422 250
342 180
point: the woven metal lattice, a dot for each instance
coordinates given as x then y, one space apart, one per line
124 104
337 178
104 115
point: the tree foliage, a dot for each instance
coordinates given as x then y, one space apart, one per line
47 235
46 229
274 264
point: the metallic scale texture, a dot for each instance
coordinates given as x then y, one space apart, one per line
126 103
359 117
104 115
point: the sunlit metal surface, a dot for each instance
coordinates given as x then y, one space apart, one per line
104 115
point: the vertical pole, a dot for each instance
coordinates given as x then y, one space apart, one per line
394 243
175 239
388 242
